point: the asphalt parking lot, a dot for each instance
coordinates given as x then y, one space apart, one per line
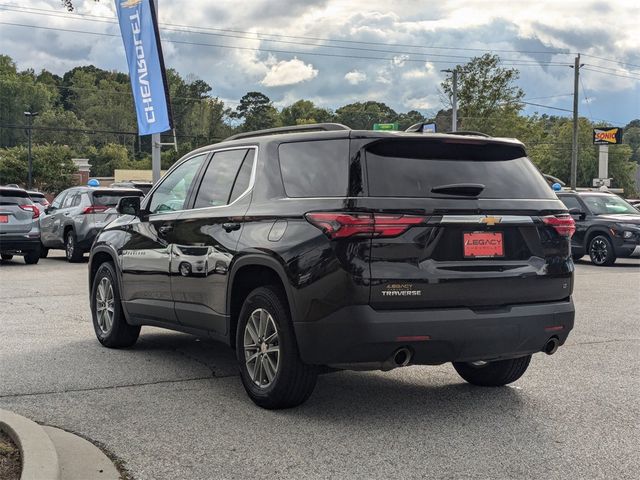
173 406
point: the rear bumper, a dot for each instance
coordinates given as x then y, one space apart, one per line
19 243
360 335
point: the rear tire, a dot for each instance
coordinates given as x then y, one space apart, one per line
493 374
276 377
577 257
112 330
44 251
6 256
71 249
601 251
32 257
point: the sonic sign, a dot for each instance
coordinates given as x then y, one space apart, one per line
607 136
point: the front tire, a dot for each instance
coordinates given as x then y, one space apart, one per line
44 251
6 256
493 374
71 249
112 330
270 367
601 251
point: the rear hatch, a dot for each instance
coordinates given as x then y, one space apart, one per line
17 212
104 202
476 225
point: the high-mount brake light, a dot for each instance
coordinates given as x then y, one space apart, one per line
35 211
563 224
343 225
95 209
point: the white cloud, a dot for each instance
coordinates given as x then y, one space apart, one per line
400 60
355 77
289 72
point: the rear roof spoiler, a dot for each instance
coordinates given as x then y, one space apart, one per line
419 128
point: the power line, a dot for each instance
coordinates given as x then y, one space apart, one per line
555 51
253 37
613 69
612 60
609 73
235 47
584 94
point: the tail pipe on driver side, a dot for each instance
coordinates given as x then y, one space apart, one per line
551 346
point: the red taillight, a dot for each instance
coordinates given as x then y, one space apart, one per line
95 209
342 225
563 224
35 211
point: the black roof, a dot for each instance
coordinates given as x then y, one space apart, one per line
13 192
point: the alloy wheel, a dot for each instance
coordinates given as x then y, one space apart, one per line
70 246
105 305
599 251
261 348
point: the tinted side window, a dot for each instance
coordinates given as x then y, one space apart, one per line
243 179
219 178
68 200
571 202
57 202
315 169
172 192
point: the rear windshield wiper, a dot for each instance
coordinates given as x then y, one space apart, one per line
465 189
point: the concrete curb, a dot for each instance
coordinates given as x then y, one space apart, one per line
39 457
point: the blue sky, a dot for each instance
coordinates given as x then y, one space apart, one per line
335 52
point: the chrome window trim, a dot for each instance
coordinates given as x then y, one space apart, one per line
210 153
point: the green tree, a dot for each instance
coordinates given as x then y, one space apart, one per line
362 115
304 112
20 92
632 138
62 127
257 111
105 159
486 92
405 120
53 169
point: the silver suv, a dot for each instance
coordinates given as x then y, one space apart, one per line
19 229
75 217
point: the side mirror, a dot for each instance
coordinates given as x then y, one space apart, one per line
49 209
129 206
576 212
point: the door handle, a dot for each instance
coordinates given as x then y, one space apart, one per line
230 227
164 229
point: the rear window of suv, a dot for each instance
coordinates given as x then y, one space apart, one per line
110 198
14 197
413 168
315 169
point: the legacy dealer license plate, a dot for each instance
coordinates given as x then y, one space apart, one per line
483 244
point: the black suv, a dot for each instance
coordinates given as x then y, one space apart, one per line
607 227
315 248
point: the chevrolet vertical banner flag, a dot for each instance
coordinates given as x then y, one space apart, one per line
139 30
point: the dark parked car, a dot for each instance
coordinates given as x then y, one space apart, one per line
320 246
143 186
19 229
607 227
75 217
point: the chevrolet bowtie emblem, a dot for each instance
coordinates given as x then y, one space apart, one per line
490 221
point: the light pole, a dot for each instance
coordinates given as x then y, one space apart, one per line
454 98
30 116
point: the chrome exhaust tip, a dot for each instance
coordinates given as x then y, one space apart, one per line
551 346
402 357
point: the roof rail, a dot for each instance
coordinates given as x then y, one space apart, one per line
469 132
314 127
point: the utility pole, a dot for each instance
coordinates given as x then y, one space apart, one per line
574 143
454 98
30 116
155 138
